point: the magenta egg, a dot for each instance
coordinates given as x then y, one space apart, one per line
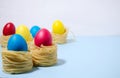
44 37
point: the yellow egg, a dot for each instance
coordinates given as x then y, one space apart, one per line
24 31
58 27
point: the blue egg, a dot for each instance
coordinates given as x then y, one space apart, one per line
34 30
17 43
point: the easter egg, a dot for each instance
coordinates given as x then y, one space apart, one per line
9 29
34 30
58 27
17 43
24 31
43 37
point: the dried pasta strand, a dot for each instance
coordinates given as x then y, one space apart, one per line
60 38
44 55
4 40
16 62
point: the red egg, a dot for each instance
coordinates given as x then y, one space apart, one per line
9 29
44 37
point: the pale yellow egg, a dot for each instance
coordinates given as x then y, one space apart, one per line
24 31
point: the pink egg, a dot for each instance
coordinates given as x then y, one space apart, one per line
9 29
44 37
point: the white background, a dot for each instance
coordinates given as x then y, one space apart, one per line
83 17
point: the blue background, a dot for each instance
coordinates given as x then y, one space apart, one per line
86 57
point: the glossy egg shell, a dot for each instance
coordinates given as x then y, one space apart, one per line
34 30
43 37
17 43
23 31
58 27
9 29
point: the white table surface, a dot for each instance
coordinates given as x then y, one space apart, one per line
87 57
